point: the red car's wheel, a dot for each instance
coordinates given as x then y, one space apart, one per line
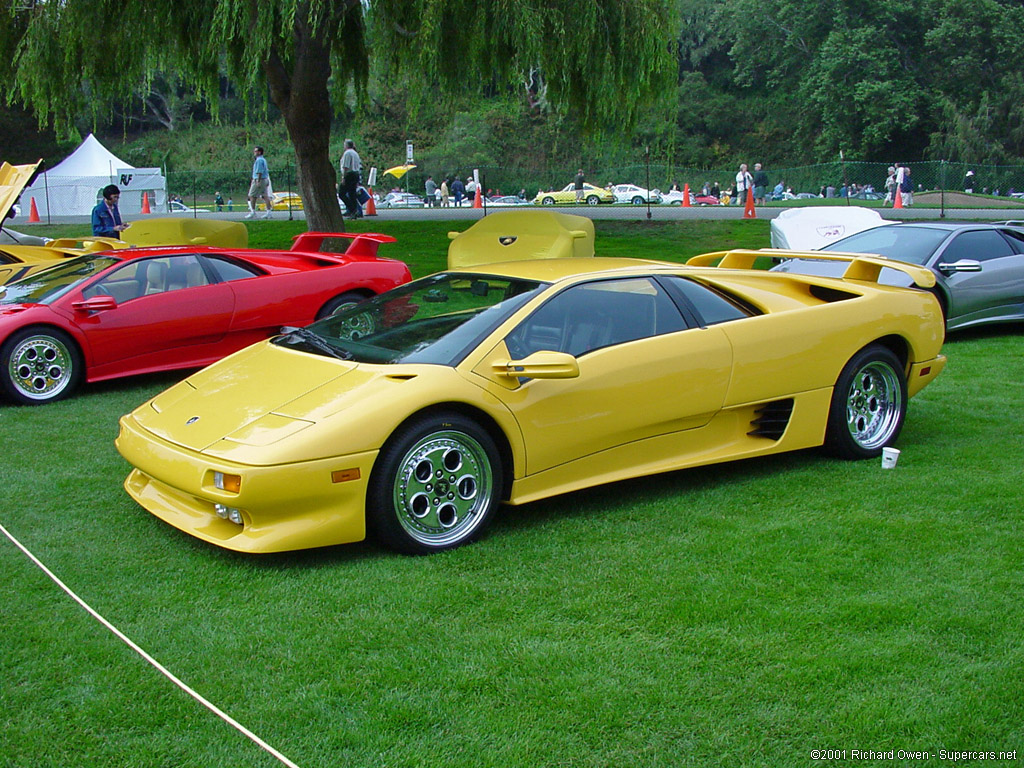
435 485
40 365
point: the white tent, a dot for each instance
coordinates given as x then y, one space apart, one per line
73 187
808 229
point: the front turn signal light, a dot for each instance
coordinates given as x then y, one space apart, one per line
225 482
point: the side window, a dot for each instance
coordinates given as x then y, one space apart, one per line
1016 238
711 307
596 315
226 269
150 276
979 244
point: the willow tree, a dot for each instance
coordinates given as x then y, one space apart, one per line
599 60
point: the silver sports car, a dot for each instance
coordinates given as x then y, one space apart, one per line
979 268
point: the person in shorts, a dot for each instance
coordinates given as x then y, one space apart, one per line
260 186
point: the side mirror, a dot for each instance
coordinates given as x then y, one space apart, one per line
964 265
95 304
540 365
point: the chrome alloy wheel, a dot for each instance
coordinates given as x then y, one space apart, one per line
41 367
443 488
873 405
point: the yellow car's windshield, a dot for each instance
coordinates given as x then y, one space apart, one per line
437 319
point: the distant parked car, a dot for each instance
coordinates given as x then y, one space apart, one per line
402 200
287 201
505 200
176 206
867 195
676 198
591 196
634 195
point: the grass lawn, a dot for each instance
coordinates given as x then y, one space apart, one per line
736 615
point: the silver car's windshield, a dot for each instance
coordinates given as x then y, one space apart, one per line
48 285
437 319
911 244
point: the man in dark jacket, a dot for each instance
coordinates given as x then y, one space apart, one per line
106 219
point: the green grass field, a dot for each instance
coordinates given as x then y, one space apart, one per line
736 615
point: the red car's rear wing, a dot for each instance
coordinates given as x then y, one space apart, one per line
363 245
862 266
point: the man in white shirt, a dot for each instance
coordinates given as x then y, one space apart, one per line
351 166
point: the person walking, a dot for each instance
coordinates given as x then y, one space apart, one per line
744 181
431 190
760 184
578 186
351 166
106 218
459 191
260 186
445 202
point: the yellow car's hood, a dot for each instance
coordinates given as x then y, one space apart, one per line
13 180
255 397
245 407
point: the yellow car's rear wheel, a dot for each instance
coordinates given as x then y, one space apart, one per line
869 404
435 486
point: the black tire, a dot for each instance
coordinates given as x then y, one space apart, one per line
335 304
435 485
868 406
638 200
40 365
547 201
593 200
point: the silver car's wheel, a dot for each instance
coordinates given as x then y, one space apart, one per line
868 405
40 366
436 485
638 200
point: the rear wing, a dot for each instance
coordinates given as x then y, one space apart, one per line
364 245
862 266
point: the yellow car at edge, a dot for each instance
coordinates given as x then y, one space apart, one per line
591 196
414 415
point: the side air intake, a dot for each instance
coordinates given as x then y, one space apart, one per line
771 419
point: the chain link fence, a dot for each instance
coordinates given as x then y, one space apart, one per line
196 191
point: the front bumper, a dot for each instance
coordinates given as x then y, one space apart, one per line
284 507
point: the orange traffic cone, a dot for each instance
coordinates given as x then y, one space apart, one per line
33 212
478 199
686 195
748 209
370 209
145 202
897 198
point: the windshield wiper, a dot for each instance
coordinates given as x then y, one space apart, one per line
316 341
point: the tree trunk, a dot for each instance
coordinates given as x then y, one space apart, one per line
303 98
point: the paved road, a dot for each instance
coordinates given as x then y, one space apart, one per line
597 212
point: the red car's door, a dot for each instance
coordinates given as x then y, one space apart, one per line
169 315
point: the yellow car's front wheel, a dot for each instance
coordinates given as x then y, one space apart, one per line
435 486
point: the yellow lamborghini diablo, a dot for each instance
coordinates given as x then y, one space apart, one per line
415 414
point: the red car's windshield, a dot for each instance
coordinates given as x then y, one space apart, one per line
47 286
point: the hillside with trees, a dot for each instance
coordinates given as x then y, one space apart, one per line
703 84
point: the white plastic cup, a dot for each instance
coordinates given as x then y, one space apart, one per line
889 457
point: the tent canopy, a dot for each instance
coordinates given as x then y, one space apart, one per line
72 187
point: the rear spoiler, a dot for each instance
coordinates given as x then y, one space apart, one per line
862 266
363 245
